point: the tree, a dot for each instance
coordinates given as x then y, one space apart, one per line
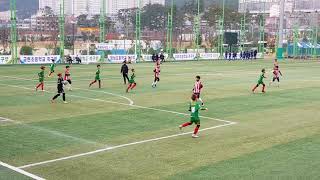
153 17
4 38
26 50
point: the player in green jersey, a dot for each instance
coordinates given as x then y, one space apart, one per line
195 107
97 78
52 66
41 78
132 82
260 81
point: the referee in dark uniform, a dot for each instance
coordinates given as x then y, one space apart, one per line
60 84
124 71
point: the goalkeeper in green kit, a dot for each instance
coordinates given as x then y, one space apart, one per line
195 106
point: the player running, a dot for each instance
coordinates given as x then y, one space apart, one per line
156 74
276 75
132 82
197 89
67 77
41 78
97 78
52 66
60 84
195 107
260 81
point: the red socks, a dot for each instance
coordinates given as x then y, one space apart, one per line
254 88
40 84
186 124
196 129
133 85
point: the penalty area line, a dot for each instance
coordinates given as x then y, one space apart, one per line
19 170
120 146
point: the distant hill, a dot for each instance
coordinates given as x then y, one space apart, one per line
233 4
25 8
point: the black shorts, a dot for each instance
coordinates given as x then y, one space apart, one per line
69 81
60 91
197 95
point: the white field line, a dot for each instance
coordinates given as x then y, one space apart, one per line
137 106
48 131
118 146
2 119
105 92
21 171
101 100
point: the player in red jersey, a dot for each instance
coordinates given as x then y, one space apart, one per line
67 77
276 75
156 74
197 89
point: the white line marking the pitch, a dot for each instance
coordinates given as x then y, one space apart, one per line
137 106
105 92
118 146
21 171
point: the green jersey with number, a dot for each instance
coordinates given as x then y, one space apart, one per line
261 77
41 76
131 80
195 107
52 66
97 74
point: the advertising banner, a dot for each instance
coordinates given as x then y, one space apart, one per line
4 59
39 59
120 58
87 59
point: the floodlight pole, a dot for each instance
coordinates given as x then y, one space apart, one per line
61 30
280 43
221 31
13 32
262 31
169 32
102 25
243 28
315 32
197 30
138 32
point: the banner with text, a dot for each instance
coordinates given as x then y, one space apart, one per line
87 59
121 58
104 46
209 56
4 59
39 59
185 56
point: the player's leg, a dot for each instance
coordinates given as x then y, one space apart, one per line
69 82
196 130
124 78
55 97
198 96
255 87
133 85
129 86
99 81
263 88
185 125
92 83
64 97
38 85
42 86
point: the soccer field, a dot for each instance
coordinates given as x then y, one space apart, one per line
109 134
